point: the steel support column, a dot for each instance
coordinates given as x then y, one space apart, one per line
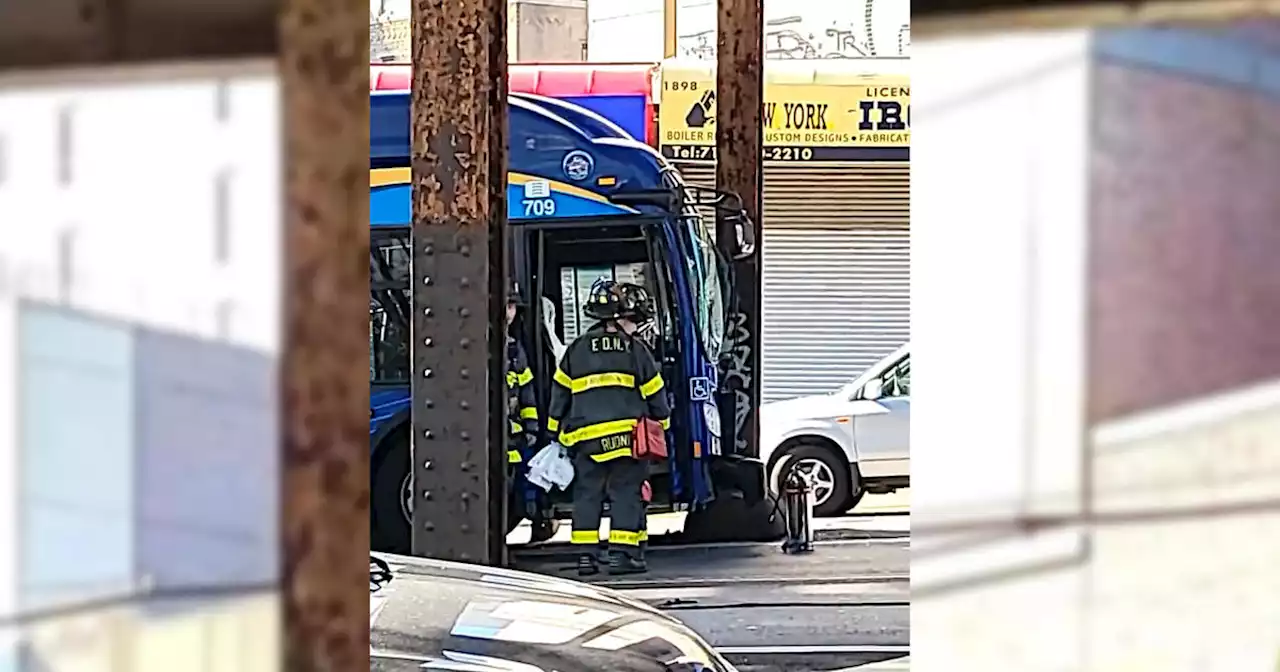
739 139
459 172
324 73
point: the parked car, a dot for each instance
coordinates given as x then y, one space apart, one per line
850 442
434 615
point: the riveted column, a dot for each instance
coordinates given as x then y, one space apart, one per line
739 137
459 98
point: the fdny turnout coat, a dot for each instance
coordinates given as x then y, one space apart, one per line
606 382
522 407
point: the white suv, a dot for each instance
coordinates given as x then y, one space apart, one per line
853 441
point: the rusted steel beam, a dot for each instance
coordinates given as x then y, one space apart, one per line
739 141
45 33
324 74
459 173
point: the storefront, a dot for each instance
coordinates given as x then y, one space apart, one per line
836 249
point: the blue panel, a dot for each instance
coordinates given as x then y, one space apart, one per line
540 139
208 469
1215 56
628 112
384 404
390 206
76 452
564 205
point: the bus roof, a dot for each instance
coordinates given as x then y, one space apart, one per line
564 160
623 92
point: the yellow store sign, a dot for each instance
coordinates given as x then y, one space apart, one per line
845 118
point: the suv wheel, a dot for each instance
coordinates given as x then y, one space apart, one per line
835 489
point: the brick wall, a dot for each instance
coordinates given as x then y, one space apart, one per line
1184 237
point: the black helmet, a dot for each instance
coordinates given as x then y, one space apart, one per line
610 300
514 295
636 301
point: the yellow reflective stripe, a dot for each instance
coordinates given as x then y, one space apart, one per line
515 427
651 388
563 378
665 422
553 425
579 385
624 538
585 537
513 456
524 377
511 379
612 454
644 535
529 413
597 431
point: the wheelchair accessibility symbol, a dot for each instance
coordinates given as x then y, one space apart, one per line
699 388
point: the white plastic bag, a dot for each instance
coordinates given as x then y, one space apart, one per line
540 482
551 466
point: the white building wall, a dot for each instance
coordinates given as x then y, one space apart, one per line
631 30
152 200
998 218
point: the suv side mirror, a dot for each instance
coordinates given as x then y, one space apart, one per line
873 389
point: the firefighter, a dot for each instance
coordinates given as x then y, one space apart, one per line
522 403
522 413
606 381
524 428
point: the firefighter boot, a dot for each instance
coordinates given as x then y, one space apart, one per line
623 563
587 564
602 554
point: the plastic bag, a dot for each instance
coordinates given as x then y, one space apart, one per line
540 482
551 466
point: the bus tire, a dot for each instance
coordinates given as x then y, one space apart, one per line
389 531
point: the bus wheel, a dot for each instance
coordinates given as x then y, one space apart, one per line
390 525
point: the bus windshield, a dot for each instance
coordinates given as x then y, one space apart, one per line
705 273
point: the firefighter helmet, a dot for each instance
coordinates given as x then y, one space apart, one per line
636 301
610 300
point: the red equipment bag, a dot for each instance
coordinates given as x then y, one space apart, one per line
649 441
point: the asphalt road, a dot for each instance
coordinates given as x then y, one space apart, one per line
844 607
845 604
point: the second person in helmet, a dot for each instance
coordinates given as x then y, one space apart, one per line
606 381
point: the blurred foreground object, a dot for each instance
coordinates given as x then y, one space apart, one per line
1112 267
149 217
434 615
323 57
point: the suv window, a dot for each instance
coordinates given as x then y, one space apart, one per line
897 380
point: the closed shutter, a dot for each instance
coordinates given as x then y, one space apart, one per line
837 270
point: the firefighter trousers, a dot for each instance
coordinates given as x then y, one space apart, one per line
620 480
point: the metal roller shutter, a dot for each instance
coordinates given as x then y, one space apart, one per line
837 270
